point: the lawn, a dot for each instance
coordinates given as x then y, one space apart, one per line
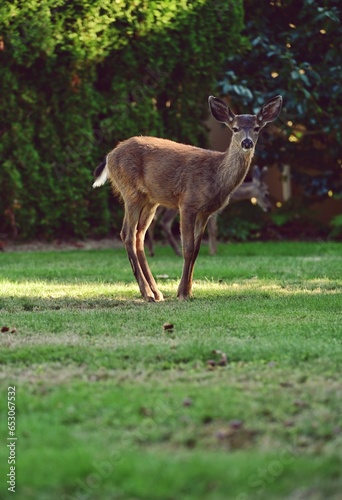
240 400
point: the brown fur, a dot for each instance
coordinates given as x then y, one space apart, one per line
257 188
148 172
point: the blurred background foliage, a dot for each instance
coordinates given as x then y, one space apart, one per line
78 76
295 50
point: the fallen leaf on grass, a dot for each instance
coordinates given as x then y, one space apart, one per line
168 327
222 361
236 424
211 364
6 329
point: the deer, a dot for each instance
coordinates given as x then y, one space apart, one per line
256 189
148 171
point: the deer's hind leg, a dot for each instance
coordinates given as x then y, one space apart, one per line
146 216
132 239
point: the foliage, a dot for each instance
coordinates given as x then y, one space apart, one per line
336 224
238 225
292 221
79 76
294 51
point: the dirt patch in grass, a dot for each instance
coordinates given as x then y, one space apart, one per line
48 374
39 246
15 340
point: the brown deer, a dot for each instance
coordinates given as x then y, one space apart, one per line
148 172
255 189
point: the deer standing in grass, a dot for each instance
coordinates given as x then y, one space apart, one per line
256 188
148 172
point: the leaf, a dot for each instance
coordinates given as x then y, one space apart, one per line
168 327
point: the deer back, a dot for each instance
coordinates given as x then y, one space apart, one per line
166 172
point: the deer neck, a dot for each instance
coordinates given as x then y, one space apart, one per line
235 166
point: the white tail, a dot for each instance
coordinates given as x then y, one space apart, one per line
103 174
148 172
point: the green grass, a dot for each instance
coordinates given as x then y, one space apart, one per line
111 406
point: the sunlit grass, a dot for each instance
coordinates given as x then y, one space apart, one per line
54 290
120 290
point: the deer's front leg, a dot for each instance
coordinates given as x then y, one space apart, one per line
192 232
187 225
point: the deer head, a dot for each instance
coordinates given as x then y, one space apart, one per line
260 189
245 128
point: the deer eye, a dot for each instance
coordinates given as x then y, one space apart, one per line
235 129
256 129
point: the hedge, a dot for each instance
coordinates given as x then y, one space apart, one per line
77 77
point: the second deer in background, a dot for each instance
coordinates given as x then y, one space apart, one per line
256 188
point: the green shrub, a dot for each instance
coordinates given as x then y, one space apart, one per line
294 51
79 76
336 224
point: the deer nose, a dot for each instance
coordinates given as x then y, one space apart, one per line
247 144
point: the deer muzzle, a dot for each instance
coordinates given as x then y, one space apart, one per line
247 144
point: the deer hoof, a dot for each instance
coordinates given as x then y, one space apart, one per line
150 299
182 297
158 296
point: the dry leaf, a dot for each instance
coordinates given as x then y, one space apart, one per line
236 424
211 364
168 327
223 359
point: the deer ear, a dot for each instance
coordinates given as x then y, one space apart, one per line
270 110
220 111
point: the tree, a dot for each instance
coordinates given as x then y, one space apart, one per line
295 50
79 76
